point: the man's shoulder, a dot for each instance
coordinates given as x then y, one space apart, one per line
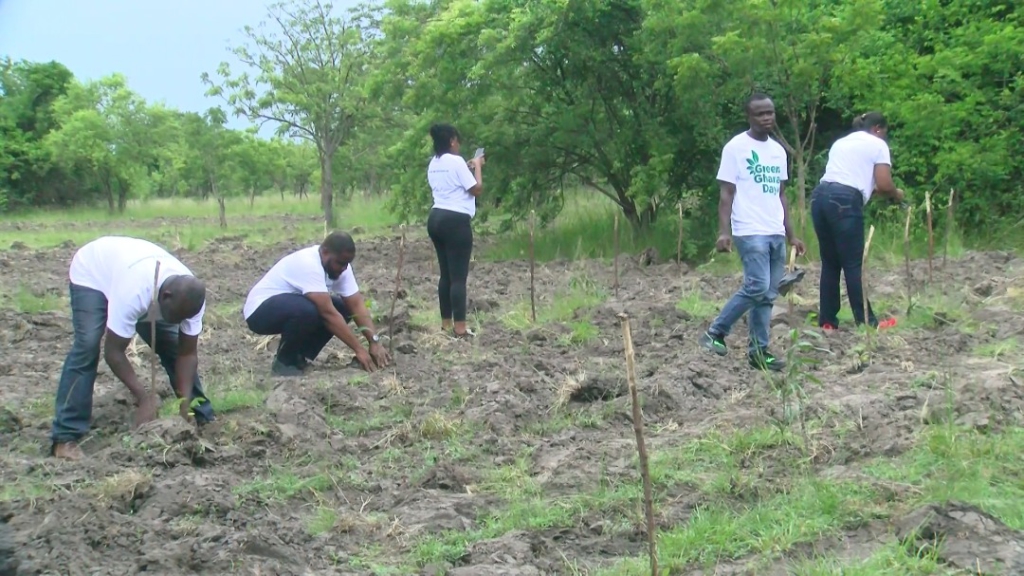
738 140
776 145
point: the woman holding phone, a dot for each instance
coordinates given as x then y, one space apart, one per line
455 190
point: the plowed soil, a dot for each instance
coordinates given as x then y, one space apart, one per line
343 472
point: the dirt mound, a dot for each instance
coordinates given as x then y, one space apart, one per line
965 537
8 550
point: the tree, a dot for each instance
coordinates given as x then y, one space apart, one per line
27 175
560 93
308 80
793 50
102 133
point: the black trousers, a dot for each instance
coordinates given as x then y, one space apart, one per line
452 235
837 211
295 317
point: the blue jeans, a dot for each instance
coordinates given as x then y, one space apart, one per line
838 215
73 406
764 264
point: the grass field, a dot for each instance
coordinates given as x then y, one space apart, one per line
514 453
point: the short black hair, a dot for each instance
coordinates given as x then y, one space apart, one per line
870 120
339 243
754 97
190 291
442 135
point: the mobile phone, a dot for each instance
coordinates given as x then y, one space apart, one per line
479 153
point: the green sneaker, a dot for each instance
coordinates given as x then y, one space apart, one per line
765 360
714 343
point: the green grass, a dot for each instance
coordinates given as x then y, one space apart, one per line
583 293
24 300
192 223
946 463
584 230
747 514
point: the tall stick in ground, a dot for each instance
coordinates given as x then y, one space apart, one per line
615 255
394 297
790 296
949 228
679 239
153 329
533 298
641 448
906 260
931 237
864 275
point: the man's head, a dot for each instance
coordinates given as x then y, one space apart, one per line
181 297
760 114
336 252
872 123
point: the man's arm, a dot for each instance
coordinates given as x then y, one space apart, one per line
186 365
333 319
361 314
727 192
114 347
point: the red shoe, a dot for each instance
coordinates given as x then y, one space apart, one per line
887 323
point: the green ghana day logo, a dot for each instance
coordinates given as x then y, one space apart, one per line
769 177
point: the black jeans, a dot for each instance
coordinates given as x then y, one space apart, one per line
452 236
295 317
837 211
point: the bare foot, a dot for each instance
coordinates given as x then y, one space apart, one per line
146 412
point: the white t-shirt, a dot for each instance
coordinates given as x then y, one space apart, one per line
450 180
300 272
122 269
852 159
758 170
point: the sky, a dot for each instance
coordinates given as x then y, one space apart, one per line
161 46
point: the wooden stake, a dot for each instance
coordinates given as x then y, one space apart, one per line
931 237
789 268
679 240
949 228
641 448
152 328
533 298
864 275
394 297
615 256
906 259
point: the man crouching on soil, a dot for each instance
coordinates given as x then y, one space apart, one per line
295 299
112 283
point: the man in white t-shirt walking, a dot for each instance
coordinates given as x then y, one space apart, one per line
296 299
111 285
753 215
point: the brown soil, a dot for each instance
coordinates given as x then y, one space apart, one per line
166 500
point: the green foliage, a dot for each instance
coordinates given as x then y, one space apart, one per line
627 102
312 67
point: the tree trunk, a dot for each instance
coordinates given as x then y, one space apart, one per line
222 212
800 163
108 187
326 188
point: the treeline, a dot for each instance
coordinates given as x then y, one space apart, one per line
629 99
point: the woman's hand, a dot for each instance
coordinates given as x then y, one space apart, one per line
477 161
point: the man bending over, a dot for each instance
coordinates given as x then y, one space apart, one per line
111 284
296 299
